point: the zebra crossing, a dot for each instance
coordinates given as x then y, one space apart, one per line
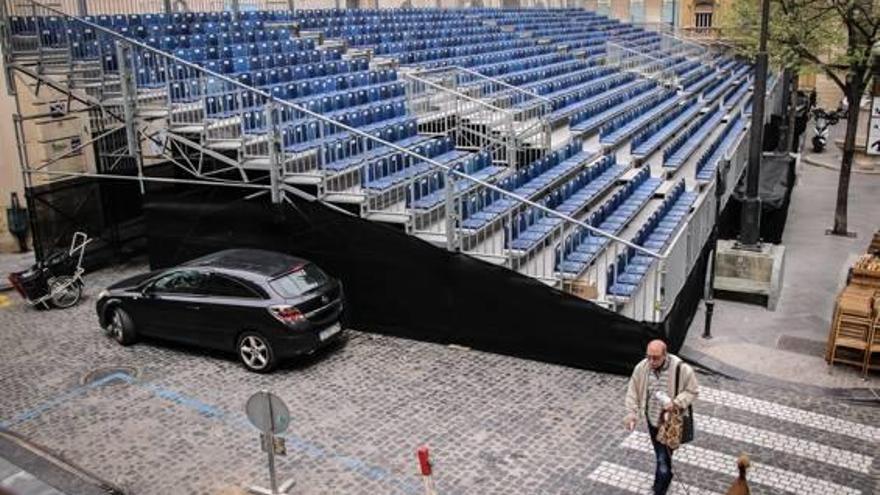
803 451
636 481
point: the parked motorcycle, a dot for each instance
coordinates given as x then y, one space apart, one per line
822 120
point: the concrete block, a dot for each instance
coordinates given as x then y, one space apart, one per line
750 272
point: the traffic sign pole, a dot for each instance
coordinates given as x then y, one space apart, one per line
268 413
273 483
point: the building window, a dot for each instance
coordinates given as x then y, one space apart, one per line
637 11
703 11
703 20
667 14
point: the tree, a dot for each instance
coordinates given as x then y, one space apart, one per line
791 24
810 33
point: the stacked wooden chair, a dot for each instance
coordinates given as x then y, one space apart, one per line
855 328
874 248
852 327
873 340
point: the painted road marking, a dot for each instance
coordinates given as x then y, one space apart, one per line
635 481
790 414
237 420
785 443
781 480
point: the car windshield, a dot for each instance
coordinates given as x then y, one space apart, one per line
299 281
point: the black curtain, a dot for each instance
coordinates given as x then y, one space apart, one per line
398 285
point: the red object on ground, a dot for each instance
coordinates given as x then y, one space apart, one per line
424 462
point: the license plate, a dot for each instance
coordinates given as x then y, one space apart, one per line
329 332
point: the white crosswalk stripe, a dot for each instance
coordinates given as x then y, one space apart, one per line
635 481
790 414
784 443
781 480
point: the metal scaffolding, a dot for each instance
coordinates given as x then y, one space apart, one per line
148 109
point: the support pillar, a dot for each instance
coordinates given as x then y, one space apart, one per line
750 230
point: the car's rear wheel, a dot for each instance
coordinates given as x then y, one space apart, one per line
120 327
256 353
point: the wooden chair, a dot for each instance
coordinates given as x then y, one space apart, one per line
873 339
852 327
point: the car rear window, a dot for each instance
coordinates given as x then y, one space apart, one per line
299 281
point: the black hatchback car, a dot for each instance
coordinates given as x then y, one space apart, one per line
263 305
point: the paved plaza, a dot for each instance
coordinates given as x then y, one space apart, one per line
157 419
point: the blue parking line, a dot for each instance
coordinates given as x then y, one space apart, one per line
238 421
52 403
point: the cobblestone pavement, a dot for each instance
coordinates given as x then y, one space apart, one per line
169 420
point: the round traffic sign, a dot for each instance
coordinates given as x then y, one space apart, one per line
267 412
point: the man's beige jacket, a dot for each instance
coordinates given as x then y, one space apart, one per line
637 392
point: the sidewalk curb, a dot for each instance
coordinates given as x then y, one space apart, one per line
54 470
865 395
817 163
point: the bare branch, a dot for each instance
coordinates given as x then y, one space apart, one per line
825 67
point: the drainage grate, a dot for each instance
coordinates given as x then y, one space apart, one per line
101 373
801 345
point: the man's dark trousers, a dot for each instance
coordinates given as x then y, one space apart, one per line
663 473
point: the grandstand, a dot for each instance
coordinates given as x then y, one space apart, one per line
569 147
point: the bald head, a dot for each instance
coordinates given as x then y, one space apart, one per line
656 353
657 345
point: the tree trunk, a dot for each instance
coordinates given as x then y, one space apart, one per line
792 113
853 97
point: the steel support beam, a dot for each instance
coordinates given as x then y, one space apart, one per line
750 227
129 102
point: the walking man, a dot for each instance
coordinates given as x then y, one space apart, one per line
651 392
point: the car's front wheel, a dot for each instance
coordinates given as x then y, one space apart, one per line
120 327
256 353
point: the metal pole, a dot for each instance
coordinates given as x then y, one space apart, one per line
236 9
274 152
82 7
167 6
786 111
129 97
451 216
750 226
720 172
270 447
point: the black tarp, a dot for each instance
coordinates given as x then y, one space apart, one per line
774 188
399 285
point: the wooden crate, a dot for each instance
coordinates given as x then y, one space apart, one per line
583 290
874 248
866 271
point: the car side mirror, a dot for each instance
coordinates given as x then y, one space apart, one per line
148 291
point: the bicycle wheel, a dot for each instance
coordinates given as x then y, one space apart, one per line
66 291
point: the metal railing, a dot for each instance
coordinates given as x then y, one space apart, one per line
627 59
675 45
481 111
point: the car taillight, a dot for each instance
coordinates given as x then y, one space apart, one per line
286 314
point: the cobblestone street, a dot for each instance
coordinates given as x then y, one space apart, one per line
156 419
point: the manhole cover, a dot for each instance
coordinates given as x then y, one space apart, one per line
102 373
801 345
